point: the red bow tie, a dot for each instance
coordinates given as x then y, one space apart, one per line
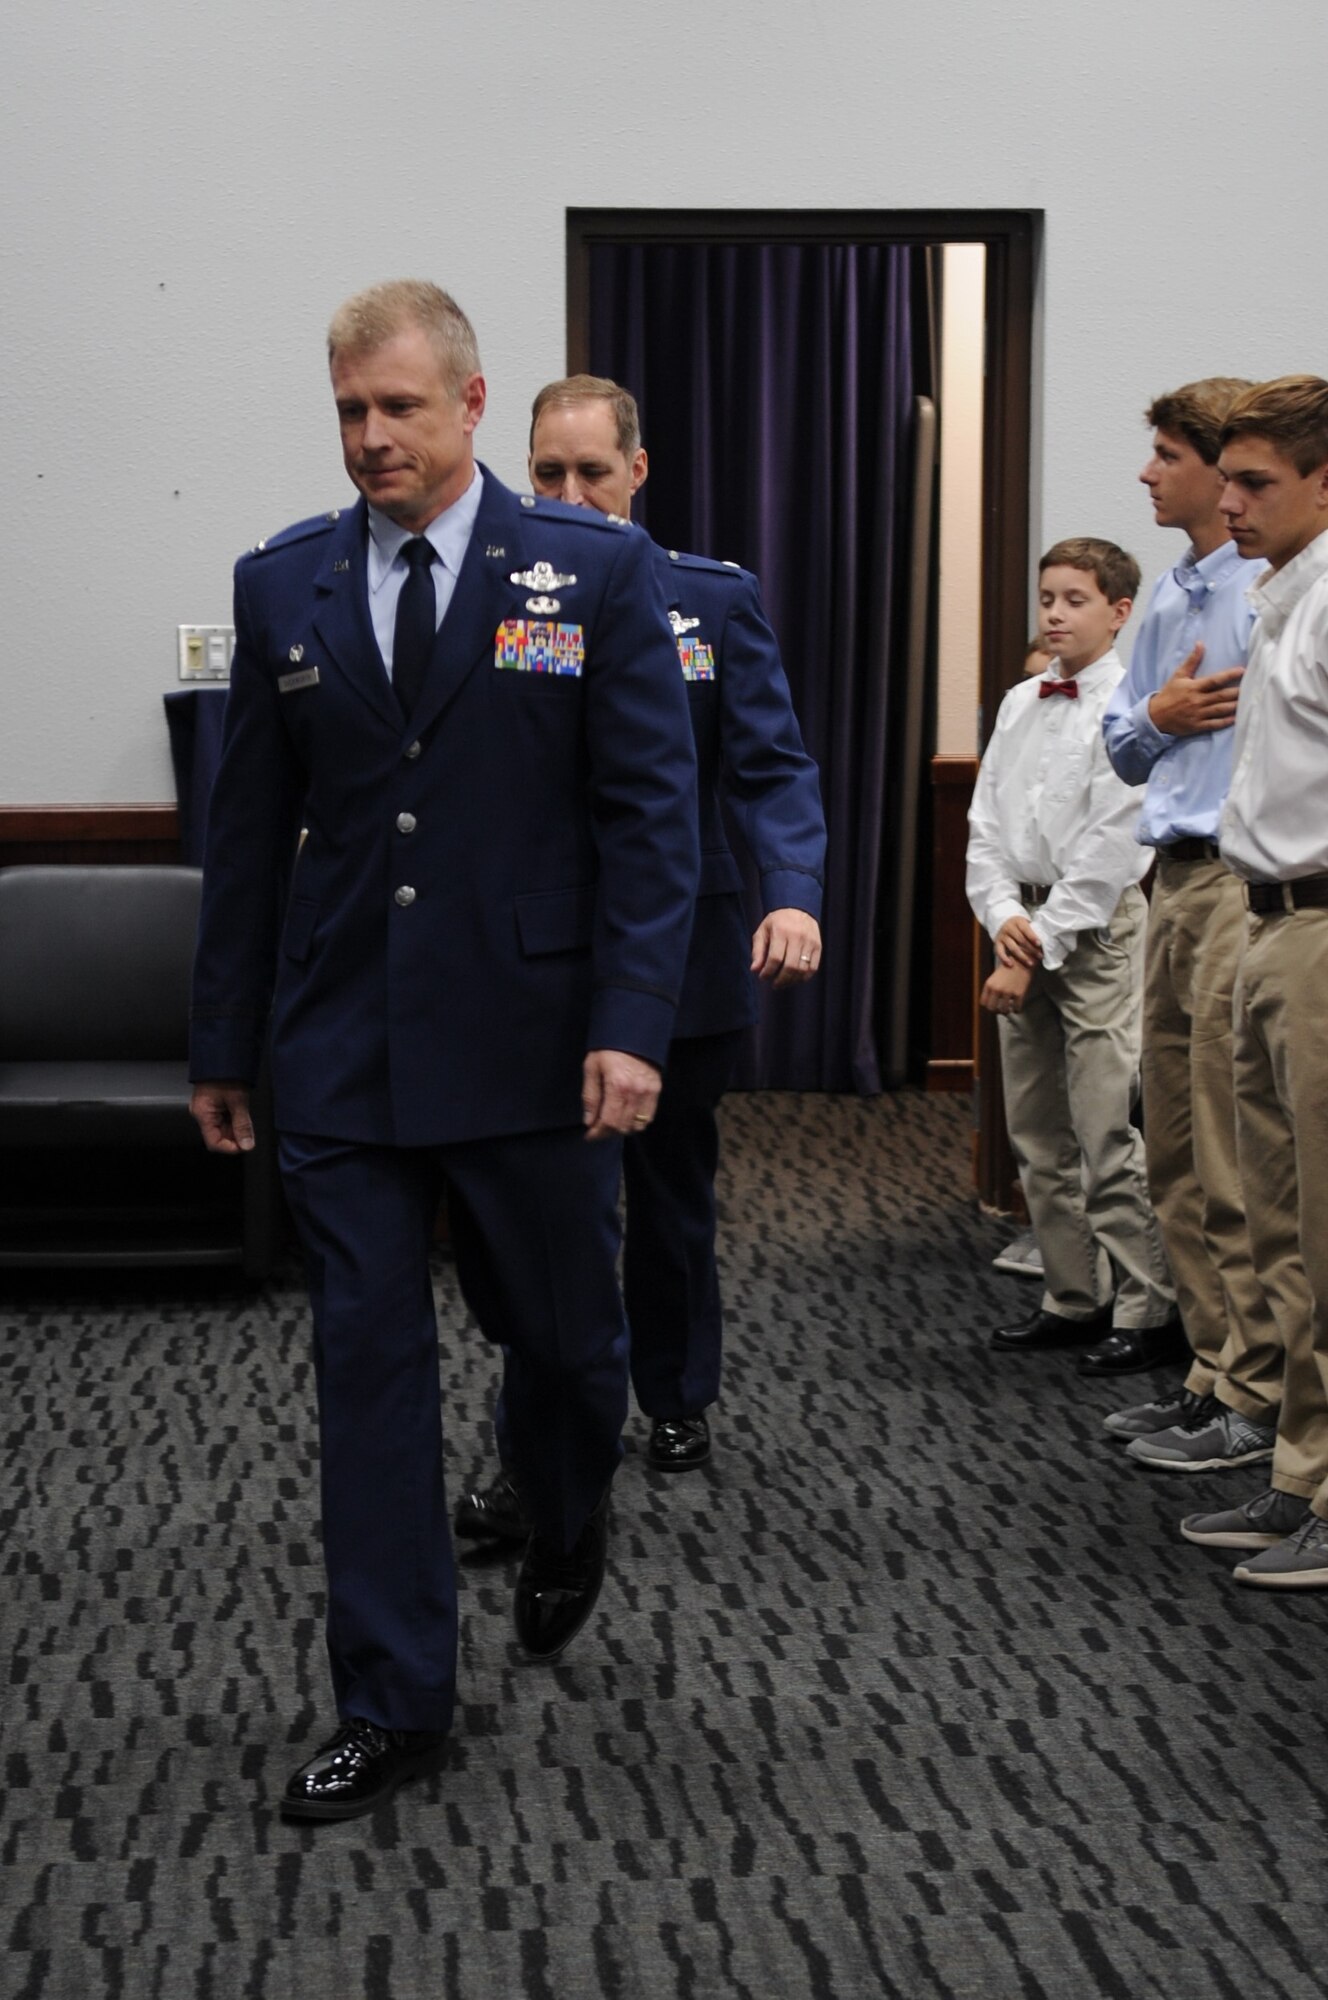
1070 689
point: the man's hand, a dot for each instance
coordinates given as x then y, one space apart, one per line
1007 989
1017 943
618 1093
222 1114
786 947
1186 706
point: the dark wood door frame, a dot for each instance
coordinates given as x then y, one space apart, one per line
1012 238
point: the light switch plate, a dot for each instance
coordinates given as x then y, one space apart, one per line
205 651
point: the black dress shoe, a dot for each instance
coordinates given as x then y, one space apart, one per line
1048 1329
1127 1349
555 1593
493 1514
359 1769
678 1443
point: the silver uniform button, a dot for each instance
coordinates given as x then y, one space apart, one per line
405 895
405 822
413 749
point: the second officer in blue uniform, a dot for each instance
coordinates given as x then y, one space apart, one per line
585 449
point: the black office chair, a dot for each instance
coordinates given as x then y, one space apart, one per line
102 1163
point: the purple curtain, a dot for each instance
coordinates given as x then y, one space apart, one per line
776 384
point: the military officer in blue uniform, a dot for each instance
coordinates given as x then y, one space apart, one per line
585 448
470 705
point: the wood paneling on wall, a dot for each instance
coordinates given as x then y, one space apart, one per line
141 833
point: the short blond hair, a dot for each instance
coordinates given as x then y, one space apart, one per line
379 313
1291 413
592 389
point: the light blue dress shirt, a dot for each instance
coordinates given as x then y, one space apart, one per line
1186 776
449 533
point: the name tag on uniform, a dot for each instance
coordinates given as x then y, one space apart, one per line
697 659
288 683
534 646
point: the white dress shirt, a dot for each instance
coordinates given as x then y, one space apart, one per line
1275 822
1048 809
449 533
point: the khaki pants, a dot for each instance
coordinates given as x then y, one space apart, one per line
1070 1067
1196 929
1281 1040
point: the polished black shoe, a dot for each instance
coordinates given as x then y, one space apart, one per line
556 1593
1127 1349
1048 1329
678 1443
359 1769
493 1514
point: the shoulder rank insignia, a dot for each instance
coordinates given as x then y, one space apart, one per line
544 577
681 624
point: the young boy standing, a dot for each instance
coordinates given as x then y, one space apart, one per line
1053 873
1274 834
1169 728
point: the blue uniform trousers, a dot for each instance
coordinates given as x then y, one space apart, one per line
670 1279
536 1234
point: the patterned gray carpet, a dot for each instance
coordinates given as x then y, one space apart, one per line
913 1692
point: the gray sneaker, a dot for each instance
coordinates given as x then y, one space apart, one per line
1143 1419
1261 1522
1211 1438
1021 1257
1298 1563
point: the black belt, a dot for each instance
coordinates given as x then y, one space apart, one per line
1190 849
1033 893
1277 899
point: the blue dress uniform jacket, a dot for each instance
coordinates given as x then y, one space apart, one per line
750 754
484 891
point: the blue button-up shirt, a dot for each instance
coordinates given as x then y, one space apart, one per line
1186 776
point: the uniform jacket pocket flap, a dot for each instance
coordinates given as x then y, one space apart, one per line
556 920
720 874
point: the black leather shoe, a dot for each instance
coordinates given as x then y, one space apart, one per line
1127 1349
678 1443
1047 1329
493 1514
359 1769
555 1593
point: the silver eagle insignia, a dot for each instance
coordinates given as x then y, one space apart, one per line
544 577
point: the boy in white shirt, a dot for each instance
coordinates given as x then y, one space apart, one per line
1274 835
1053 873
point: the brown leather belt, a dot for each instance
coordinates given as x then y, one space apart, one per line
1190 849
1279 899
1033 893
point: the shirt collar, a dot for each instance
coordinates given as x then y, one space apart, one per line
1280 590
1197 574
448 533
1087 677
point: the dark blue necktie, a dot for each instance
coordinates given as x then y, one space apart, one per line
416 626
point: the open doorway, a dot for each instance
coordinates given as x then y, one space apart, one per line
955 1047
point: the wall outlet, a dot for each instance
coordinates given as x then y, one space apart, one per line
205 651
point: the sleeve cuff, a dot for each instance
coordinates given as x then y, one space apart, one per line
634 1022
